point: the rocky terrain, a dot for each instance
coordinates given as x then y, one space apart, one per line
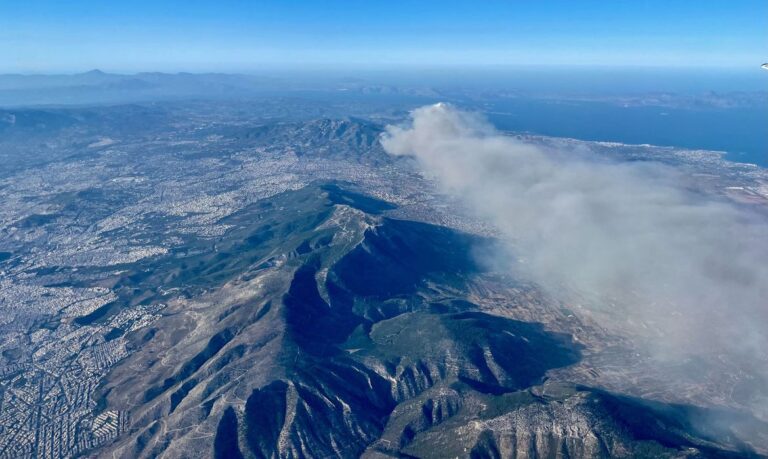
176 282
347 333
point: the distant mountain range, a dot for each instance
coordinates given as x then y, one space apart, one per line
97 87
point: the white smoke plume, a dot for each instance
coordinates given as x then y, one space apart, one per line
690 271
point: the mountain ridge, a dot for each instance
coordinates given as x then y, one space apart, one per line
303 353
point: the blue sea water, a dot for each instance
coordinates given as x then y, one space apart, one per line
742 133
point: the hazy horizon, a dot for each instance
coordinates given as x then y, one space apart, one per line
554 78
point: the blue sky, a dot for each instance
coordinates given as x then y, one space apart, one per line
238 35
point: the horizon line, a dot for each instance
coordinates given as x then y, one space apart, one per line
330 68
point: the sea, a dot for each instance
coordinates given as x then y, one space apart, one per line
741 133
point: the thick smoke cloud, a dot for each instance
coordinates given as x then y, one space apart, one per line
685 271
